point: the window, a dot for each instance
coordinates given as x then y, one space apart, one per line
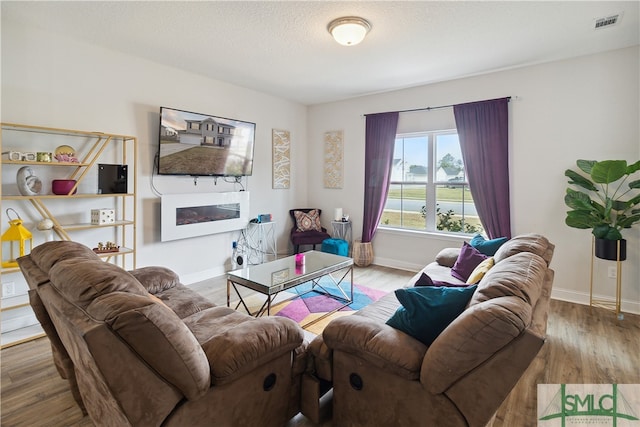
429 190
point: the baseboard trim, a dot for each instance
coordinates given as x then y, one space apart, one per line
626 306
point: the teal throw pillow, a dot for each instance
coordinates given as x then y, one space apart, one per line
487 247
427 310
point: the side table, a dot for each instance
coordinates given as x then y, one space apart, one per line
342 230
258 242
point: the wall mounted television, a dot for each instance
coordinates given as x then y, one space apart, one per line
203 145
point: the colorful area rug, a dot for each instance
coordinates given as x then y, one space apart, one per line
309 306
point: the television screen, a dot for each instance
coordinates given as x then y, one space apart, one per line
203 145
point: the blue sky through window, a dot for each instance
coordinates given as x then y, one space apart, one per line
415 148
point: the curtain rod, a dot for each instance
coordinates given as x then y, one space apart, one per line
423 108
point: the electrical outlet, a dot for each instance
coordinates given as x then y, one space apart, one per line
613 273
8 289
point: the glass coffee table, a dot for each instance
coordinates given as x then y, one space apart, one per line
276 276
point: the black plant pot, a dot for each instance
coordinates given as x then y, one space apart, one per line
608 249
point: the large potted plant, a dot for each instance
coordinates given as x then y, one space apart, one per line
605 202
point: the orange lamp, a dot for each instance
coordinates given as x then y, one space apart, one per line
16 236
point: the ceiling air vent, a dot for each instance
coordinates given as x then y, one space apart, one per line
607 21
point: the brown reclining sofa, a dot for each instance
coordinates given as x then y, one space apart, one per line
383 377
141 349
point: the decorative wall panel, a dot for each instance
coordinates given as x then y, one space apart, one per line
333 161
281 158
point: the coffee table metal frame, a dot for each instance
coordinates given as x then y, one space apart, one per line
273 277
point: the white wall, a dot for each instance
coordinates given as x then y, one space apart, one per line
583 108
50 80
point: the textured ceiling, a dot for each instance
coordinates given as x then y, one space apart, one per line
283 47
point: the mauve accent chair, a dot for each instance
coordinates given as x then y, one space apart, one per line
306 237
141 349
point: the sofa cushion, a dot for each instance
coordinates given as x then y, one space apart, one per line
81 280
308 221
467 261
520 275
487 247
46 256
184 301
472 338
236 343
426 311
160 338
534 243
156 279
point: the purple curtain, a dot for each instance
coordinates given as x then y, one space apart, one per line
379 143
483 128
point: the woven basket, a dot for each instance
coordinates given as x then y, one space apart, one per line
362 253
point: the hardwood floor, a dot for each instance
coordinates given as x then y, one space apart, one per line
583 345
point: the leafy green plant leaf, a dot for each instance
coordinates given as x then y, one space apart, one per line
602 207
577 200
608 171
606 232
586 165
577 179
580 219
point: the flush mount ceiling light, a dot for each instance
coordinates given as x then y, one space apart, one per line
350 30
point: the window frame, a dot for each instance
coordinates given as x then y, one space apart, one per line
431 185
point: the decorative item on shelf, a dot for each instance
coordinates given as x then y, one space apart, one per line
46 225
106 248
43 157
62 187
28 183
20 156
16 235
264 218
15 156
345 218
103 216
337 214
599 205
65 154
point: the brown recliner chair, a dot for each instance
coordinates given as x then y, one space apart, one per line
306 228
141 349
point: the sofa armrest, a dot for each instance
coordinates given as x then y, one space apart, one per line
447 257
250 344
471 339
378 343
